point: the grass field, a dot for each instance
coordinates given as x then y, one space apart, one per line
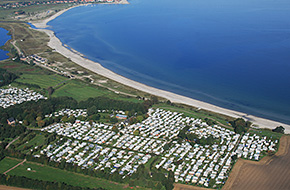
47 173
6 164
266 132
63 86
36 141
79 90
44 81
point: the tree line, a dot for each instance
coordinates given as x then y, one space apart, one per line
21 181
193 138
7 131
33 113
6 77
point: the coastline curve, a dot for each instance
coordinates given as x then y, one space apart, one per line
97 68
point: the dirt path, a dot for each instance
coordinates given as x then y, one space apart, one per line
15 166
4 187
272 172
178 186
12 142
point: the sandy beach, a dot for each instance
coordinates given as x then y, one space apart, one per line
97 68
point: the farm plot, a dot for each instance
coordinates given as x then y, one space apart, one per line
269 173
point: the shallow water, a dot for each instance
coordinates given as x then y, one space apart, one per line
234 54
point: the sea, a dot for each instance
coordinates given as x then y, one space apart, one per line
3 39
231 53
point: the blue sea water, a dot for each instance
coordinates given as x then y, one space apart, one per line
231 53
3 39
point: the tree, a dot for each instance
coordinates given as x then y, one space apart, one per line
279 129
115 129
136 132
71 119
166 146
240 125
40 123
38 118
64 118
50 90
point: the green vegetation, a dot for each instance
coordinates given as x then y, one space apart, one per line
193 138
6 77
33 113
20 181
39 79
38 140
44 81
42 172
240 125
266 133
7 163
79 90
279 129
7 131
30 12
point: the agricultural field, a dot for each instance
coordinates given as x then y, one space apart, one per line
269 173
43 172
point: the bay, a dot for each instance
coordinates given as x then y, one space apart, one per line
3 39
230 53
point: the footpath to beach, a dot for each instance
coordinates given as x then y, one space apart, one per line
97 68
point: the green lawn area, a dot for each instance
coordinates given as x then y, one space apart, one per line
266 132
63 86
79 90
36 141
7 163
47 173
44 81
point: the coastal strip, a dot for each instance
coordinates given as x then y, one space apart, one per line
97 68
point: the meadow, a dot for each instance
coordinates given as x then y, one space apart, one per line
42 172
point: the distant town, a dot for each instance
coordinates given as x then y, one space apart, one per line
31 3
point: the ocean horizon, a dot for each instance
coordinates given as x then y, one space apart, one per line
233 54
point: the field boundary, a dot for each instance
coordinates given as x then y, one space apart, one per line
238 167
15 166
179 186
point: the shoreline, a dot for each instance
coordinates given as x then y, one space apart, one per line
97 68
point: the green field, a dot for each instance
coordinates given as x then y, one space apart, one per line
266 133
62 86
36 141
47 173
79 90
7 163
44 81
